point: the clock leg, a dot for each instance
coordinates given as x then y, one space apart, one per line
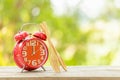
23 69
43 68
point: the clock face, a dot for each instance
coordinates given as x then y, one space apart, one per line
34 52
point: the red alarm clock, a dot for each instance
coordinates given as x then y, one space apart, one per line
30 51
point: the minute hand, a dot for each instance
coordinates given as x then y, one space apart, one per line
33 48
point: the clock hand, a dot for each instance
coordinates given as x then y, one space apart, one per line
33 50
37 51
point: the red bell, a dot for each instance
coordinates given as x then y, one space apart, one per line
21 35
40 35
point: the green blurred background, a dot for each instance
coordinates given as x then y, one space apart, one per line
85 32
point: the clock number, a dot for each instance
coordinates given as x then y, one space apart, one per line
41 47
33 43
25 59
25 48
29 61
38 43
42 58
27 44
42 52
34 62
39 61
24 53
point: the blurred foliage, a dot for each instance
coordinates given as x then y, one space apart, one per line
68 35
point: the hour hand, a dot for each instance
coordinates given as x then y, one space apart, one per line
33 50
37 50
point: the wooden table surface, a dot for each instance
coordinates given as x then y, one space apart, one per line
73 73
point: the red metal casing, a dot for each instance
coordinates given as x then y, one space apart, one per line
18 58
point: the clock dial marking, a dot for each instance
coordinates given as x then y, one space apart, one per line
33 43
37 49
25 48
25 59
24 53
27 44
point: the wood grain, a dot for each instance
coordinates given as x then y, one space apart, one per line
73 73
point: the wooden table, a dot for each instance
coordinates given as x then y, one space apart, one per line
73 73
